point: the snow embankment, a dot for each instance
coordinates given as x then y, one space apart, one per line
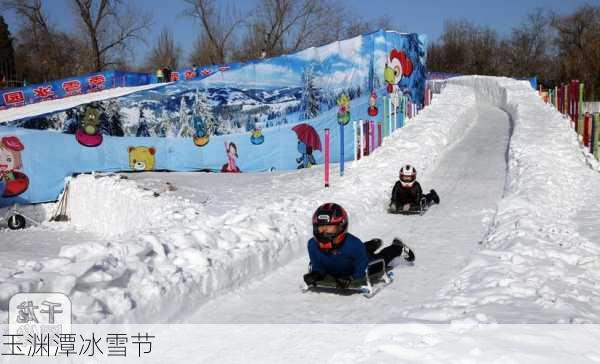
162 253
535 265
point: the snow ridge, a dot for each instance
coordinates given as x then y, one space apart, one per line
534 266
177 253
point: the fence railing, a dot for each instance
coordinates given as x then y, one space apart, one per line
584 117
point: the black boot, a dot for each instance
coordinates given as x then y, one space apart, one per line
372 245
434 196
407 253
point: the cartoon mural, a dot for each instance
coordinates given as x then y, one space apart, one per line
13 182
343 115
397 67
142 158
372 110
308 140
232 154
274 95
201 136
256 137
88 133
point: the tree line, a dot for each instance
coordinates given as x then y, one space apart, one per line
555 47
107 30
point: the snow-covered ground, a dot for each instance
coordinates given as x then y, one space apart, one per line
50 106
514 240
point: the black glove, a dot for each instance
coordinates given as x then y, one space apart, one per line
312 278
343 283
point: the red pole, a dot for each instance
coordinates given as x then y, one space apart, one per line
587 123
379 134
326 157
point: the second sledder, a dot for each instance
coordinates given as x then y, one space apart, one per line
407 195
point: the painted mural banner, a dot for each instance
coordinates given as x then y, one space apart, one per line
72 86
243 117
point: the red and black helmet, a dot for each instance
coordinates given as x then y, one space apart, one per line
330 214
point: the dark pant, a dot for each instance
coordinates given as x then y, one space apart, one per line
387 254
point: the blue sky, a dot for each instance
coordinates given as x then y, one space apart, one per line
421 16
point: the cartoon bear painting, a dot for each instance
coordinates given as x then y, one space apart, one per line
12 181
142 158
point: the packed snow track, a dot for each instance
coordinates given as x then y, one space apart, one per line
469 179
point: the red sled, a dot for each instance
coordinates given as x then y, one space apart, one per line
17 186
84 139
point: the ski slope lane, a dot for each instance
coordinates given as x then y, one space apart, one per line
470 180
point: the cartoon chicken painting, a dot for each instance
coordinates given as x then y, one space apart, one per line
12 181
398 66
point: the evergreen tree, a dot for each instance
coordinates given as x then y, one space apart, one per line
203 109
310 98
185 120
142 130
7 54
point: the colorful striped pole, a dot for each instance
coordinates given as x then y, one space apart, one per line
341 149
367 137
379 127
355 141
326 157
362 139
372 135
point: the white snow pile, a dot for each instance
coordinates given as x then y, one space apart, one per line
162 253
536 264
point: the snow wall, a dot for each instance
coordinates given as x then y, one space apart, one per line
242 118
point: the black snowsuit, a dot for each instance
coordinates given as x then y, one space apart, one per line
410 195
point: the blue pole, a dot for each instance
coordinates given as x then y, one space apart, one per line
341 149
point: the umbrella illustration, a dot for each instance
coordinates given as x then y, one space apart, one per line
308 135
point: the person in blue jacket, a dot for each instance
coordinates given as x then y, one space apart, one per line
334 251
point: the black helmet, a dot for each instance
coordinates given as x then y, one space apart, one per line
330 214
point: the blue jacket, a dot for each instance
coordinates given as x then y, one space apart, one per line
350 259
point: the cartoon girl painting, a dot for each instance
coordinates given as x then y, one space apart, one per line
398 66
230 166
13 182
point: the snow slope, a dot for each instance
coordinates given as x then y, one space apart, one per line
520 246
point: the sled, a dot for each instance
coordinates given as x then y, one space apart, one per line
87 140
368 288
419 210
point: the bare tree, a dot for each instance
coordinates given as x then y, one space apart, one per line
42 52
216 41
528 46
111 27
291 25
165 52
578 40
